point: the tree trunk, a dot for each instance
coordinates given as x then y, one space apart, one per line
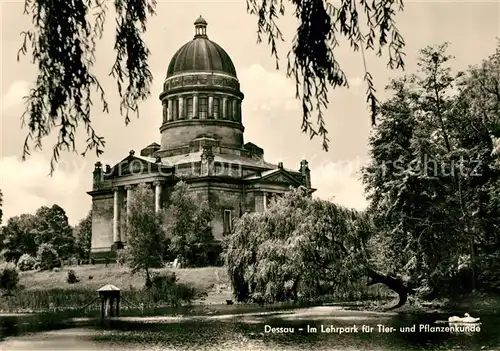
395 284
148 279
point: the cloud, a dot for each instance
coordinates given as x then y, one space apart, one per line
269 89
26 186
339 182
14 95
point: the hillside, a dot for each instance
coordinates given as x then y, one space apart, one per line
211 280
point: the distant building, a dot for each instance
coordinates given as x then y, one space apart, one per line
201 143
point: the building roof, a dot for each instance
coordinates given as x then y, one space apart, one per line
279 174
221 158
108 287
200 20
201 55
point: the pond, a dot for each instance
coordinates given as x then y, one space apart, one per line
317 328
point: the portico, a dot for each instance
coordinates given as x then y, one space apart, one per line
124 194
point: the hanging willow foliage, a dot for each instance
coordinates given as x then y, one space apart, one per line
298 248
63 40
311 61
1 203
62 44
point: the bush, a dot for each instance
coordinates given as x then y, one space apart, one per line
123 256
164 279
26 263
73 261
165 288
47 257
8 256
9 276
71 279
215 255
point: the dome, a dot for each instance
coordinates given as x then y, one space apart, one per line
201 55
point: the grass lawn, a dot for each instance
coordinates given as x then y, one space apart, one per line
211 283
47 290
203 279
39 290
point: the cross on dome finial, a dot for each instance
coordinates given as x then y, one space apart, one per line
200 26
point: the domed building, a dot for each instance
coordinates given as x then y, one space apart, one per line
202 143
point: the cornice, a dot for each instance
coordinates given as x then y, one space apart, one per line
201 122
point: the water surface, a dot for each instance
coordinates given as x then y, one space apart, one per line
245 330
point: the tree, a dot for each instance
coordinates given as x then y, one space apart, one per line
26 263
47 257
476 127
19 237
9 277
83 234
187 225
24 233
63 43
432 181
302 248
53 228
145 237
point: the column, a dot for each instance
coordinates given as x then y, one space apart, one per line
117 313
157 196
116 216
169 110
224 109
181 108
128 188
210 107
265 201
195 106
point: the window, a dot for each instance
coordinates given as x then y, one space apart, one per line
175 109
182 108
228 222
238 111
269 198
189 108
234 110
165 110
217 112
229 109
203 107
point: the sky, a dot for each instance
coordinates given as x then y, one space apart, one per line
271 114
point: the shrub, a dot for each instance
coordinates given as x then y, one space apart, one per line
47 257
71 279
165 288
214 253
9 276
164 279
123 256
8 256
26 263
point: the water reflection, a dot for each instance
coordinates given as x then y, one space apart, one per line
243 331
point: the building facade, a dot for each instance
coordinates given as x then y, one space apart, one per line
202 143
